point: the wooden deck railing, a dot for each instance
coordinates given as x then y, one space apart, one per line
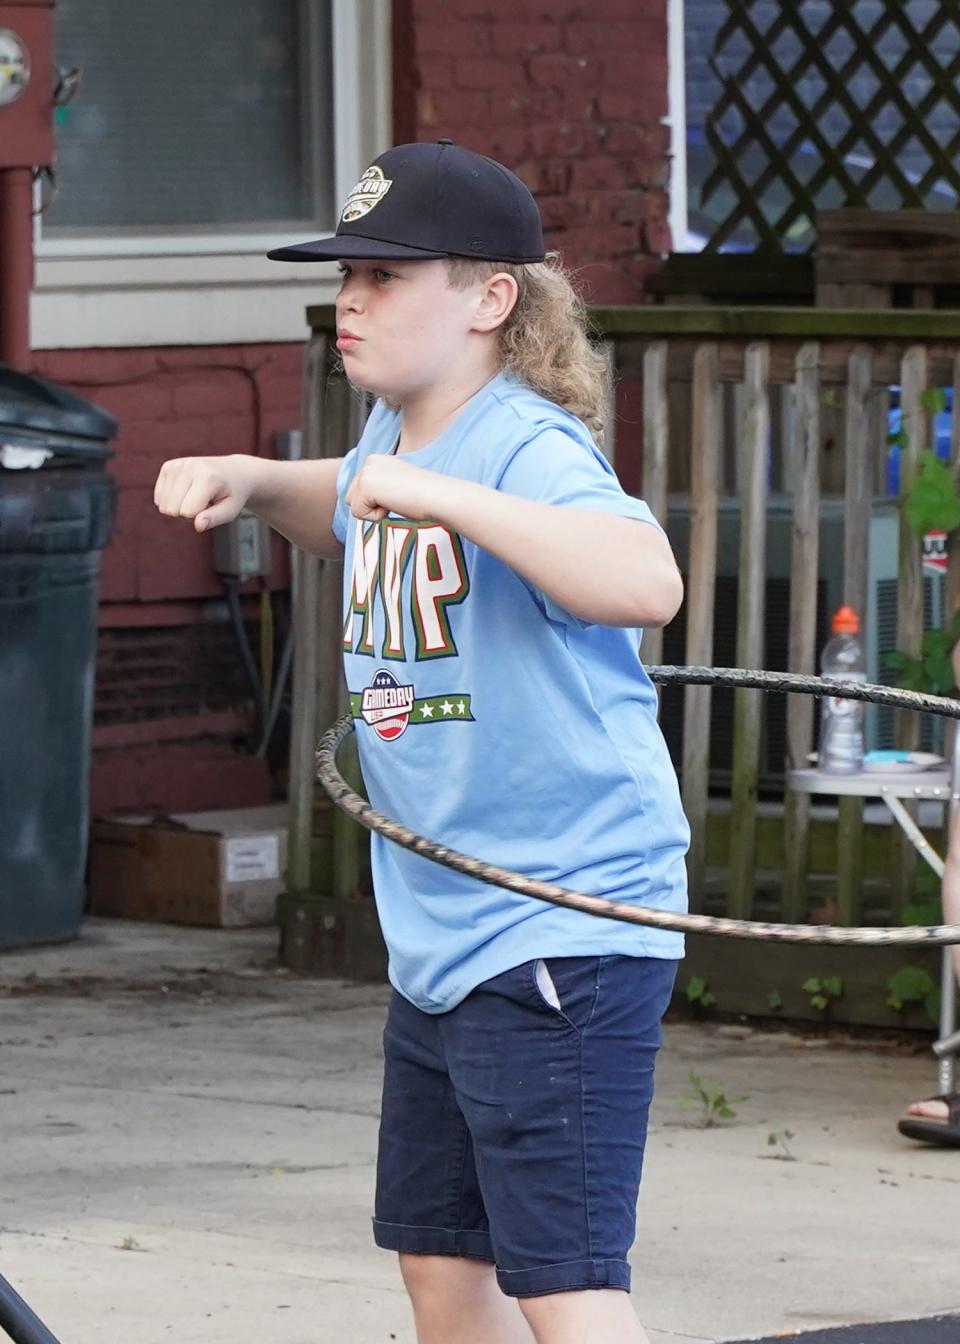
833 369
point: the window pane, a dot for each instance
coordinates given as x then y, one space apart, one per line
194 114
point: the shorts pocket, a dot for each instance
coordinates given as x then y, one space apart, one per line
568 987
545 986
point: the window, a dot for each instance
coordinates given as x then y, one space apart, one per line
204 133
194 116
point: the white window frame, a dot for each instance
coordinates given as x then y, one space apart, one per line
219 288
677 121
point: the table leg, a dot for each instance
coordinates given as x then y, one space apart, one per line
914 834
946 1065
946 1069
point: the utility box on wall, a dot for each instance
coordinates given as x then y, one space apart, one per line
26 84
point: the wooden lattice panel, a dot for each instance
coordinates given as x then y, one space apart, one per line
830 104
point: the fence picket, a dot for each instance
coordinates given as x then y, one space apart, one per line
655 453
748 709
858 496
916 425
701 581
804 561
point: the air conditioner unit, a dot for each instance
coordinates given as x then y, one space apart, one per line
879 624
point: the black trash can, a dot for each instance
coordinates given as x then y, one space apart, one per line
56 514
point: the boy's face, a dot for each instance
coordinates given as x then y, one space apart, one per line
401 327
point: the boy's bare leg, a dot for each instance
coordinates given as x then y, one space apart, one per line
458 1301
594 1316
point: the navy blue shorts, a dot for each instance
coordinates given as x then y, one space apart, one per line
513 1128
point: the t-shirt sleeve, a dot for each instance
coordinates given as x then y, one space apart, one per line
554 467
341 514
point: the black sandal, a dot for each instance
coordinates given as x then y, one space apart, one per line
946 1133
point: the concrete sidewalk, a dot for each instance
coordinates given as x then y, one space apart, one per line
189 1135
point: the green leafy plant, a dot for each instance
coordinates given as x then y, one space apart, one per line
914 985
713 1101
922 914
780 1139
934 399
699 992
129 1244
775 1000
823 991
932 503
932 672
926 908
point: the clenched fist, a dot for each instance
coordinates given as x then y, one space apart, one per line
389 485
210 490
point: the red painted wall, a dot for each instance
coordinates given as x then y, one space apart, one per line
172 709
174 403
569 95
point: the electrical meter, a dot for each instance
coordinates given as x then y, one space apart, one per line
26 84
241 549
14 67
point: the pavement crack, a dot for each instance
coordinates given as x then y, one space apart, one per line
225 1099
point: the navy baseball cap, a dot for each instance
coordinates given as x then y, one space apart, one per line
423 202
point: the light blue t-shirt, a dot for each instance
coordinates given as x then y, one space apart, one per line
495 722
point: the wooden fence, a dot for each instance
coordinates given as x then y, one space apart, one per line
832 370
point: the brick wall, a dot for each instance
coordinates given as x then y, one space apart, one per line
173 712
173 403
572 96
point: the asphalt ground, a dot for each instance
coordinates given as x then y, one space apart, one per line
936 1330
189 1134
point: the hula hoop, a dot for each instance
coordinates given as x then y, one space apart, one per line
350 802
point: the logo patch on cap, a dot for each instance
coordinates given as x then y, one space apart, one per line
368 192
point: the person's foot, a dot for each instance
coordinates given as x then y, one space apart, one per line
934 1120
933 1108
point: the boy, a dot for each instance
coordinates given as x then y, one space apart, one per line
496 581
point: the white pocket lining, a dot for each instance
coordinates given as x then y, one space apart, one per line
546 986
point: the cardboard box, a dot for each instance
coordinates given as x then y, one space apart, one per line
221 869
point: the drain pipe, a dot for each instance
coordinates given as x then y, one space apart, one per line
16 265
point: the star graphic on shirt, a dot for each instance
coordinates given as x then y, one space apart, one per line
447 707
461 707
426 711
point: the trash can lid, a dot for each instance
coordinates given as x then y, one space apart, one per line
38 414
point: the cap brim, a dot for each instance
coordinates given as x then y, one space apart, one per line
352 245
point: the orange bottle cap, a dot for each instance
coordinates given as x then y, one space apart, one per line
846 622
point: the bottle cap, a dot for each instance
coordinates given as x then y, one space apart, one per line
846 622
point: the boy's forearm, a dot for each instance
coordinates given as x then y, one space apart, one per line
298 500
604 568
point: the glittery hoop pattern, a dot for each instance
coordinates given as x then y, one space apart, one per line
938 935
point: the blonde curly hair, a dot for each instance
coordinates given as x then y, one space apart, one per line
544 341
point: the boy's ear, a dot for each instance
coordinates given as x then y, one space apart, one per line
497 300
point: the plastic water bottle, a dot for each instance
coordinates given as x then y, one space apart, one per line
841 721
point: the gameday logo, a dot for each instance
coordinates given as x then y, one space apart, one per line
386 705
368 192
